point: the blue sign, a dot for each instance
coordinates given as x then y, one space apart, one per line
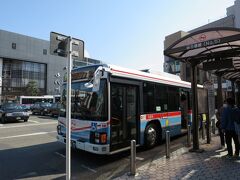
93 126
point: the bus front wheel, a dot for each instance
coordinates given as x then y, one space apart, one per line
151 136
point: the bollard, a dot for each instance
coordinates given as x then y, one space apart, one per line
133 158
203 130
189 135
213 126
167 144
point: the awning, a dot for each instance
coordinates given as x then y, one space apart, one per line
214 49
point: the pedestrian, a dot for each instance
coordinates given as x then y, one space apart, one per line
227 125
237 122
218 124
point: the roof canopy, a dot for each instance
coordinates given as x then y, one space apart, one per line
216 49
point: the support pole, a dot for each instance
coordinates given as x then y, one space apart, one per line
189 135
194 109
203 130
133 158
233 90
213 125
68 111
208 129
219 92
167 144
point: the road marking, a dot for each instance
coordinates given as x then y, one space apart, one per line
63 156
190 174
139 158
90 169
24 135
33 121
5 127
1 125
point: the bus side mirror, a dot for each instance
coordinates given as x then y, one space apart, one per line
95 82
96 79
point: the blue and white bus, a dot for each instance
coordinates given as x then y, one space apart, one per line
112 105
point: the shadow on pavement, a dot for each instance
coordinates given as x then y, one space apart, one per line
211 164
32 161
44 161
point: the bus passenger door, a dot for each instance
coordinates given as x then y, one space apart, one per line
124 115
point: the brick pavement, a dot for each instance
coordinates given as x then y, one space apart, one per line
211 164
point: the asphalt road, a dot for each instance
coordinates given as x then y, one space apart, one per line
30 151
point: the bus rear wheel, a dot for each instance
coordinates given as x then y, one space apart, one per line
151 136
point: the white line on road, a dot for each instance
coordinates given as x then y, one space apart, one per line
63 156
24 135
90 169
26 125
139 158
33 121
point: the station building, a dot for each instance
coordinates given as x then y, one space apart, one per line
24 59
173 66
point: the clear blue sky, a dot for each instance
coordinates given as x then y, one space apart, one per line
128 33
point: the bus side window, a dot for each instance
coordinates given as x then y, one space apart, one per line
173 99
148 98
161 97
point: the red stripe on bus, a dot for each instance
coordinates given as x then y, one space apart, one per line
177 113
150 77
82 128
161 115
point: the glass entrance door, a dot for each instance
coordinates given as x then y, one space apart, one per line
124 111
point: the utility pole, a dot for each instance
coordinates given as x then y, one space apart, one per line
66 46
68 111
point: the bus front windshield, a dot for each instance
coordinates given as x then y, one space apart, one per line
86 104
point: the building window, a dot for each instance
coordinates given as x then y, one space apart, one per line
44 51
14 45
17 74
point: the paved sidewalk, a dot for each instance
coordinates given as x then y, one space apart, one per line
211 164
